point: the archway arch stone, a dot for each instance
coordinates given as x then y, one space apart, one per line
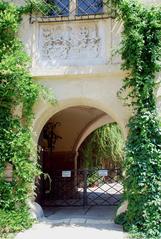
96 91
44 111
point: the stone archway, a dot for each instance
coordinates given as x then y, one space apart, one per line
76 123
44 111
95 124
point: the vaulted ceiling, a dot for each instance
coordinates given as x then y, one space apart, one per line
76 123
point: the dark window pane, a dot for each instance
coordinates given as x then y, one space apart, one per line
87 7
60 8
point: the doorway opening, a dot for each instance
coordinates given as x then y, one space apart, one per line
67 179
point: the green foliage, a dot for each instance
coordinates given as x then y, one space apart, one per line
15 219
40 6
104 144
141 54
121 219
18 92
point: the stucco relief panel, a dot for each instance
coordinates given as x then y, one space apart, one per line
70 44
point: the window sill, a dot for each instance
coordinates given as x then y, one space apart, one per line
70 18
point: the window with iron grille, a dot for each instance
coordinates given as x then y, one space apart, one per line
74 10
89 7
60 8
81 8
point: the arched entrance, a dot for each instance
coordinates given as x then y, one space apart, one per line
65 182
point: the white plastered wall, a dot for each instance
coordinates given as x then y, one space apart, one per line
100 93
88 82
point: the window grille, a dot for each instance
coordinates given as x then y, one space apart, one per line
60 8
89 7
71 10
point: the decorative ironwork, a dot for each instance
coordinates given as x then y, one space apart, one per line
85 187
50 135
72 10
90 7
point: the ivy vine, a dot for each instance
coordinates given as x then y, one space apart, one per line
141 55
104 146
18 94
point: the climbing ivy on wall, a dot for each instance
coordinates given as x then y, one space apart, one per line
141 55
18 93
141 49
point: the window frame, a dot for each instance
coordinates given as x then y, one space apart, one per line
73 9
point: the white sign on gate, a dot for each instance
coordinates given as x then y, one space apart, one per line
103 172
66 174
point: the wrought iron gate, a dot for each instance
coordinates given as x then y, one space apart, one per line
85 187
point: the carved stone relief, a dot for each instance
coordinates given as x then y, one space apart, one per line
69 42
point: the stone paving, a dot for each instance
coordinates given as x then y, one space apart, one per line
76 223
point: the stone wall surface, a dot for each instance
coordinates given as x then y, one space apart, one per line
77 60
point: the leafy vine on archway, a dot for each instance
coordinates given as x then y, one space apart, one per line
141 48
141 55
18 93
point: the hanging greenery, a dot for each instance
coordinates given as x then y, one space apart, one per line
103 146
141 55
18 93
141 52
